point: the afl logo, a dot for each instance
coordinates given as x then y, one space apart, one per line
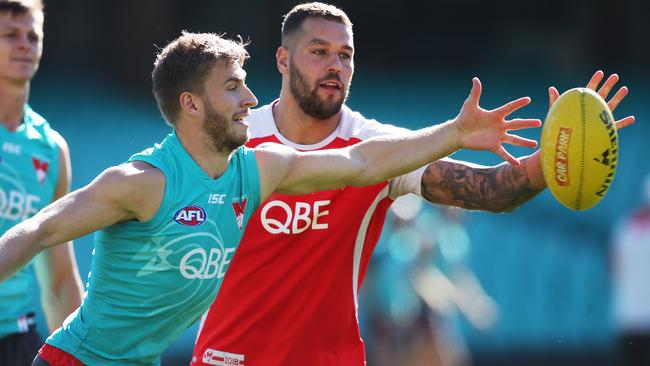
190 216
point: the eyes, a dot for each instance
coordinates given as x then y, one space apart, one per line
15 35
33 37
235 85
344 55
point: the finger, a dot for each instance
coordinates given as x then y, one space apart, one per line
595 80
617 98
553 94
519 141
510 107
609 84
506 156
475 93
521 123
622 123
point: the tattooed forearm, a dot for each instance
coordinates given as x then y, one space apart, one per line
497 189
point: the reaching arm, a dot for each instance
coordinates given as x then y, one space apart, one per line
374 160
56 267
127 192
497 189
503 187
363 164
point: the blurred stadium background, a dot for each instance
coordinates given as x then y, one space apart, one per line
545 267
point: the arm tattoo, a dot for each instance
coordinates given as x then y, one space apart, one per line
497 189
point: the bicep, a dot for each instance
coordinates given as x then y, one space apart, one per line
101 203
455 183
476 187
288 171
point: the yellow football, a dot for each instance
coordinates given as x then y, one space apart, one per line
579 149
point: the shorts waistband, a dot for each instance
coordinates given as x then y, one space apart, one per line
57 357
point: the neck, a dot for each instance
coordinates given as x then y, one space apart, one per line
13 97
300 128
214 163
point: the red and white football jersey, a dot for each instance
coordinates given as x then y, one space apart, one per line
290 294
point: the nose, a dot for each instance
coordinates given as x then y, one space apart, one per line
335 64
249 100
22 44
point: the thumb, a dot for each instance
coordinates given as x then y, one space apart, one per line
474 94
553 94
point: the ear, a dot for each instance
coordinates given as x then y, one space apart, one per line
282 59
191 104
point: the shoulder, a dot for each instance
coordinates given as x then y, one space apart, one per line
355 125
39 128
136 186
59 141
34 118
132 179
134 172
261 122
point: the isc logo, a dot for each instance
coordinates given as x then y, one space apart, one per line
288 220
190 216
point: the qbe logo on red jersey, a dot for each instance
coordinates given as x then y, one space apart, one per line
190 216
220 358
278 217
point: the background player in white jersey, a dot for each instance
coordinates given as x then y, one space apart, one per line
34 170
141 293
290 296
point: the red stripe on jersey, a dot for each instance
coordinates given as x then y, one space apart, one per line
57 357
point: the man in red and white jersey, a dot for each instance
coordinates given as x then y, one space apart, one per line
290 295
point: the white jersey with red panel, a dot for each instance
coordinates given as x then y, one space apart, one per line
290 294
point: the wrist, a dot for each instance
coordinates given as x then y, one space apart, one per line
533 167
456 139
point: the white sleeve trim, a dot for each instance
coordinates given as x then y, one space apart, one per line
407 183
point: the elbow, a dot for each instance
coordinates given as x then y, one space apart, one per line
39 233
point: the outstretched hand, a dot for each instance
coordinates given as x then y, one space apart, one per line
482 129
604 90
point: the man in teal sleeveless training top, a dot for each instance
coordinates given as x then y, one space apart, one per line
171 218
34 171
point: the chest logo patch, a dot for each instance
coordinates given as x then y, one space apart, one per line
239 207
40 167
190 216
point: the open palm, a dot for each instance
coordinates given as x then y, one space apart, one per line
604 90
482 129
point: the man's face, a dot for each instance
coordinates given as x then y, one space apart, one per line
226 102
21 45
321 65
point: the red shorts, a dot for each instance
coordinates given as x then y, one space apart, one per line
56 357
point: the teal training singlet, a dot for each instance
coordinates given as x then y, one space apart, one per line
151 280
29 169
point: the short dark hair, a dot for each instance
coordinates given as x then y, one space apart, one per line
294 19
16 7
184 64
